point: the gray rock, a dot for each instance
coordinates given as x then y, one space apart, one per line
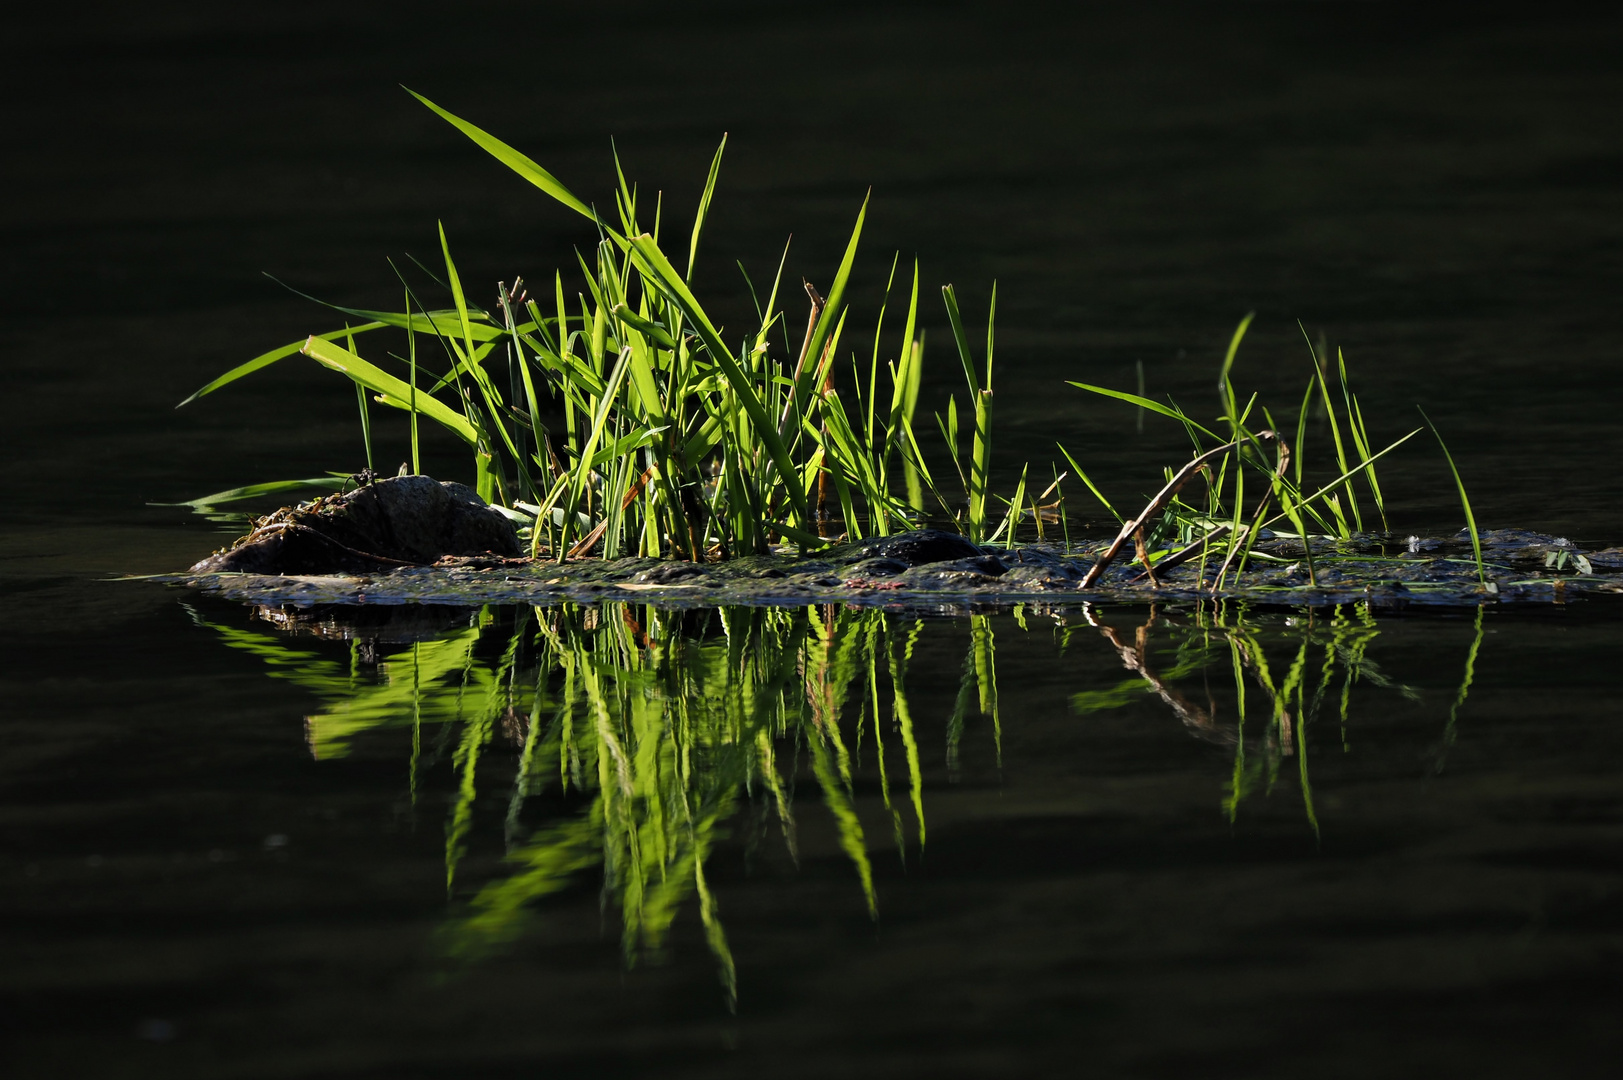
400 521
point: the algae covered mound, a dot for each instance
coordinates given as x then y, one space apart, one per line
412 540
401 521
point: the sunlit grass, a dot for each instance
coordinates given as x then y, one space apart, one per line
616 417
673 441
1222 526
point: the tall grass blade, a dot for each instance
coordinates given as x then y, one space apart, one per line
1465 501
514 160
704 207
264 360
392 390
1145 403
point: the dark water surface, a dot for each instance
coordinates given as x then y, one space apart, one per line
1190 841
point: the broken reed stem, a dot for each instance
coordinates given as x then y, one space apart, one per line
1157 504
816 312
1198 547
584 544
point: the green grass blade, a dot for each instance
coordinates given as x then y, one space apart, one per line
366 414
514 160
1465 500
873 365
254 491
950 298
456 291
903 375
647 328
664 277
1301 432
1097 494
580 473
264 360
980 466
1335 427
1361 433
1225 387
394 391
991 323
411 398
832 309
1145 403
704 206
426 321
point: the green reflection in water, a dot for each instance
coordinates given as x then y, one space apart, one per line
1202 637
646 732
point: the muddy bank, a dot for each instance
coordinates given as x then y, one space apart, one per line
935 570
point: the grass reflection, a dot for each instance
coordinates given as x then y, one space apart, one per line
632 739
1270 716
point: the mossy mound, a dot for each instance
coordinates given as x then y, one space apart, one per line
385 525
937 570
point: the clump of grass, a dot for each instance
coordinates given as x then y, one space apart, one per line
673 441
1222 526
620 421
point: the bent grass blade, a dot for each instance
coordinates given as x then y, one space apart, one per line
1465 502
392 390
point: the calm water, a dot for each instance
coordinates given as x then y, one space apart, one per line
1173 842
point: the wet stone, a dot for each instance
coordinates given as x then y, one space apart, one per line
959 573
877 568
629 565
917 548
669 573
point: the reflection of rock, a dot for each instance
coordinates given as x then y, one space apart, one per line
370 623
401 521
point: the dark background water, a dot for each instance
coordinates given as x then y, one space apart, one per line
1439 191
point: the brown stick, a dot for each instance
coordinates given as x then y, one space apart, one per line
584 544
1144 558
1157 504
